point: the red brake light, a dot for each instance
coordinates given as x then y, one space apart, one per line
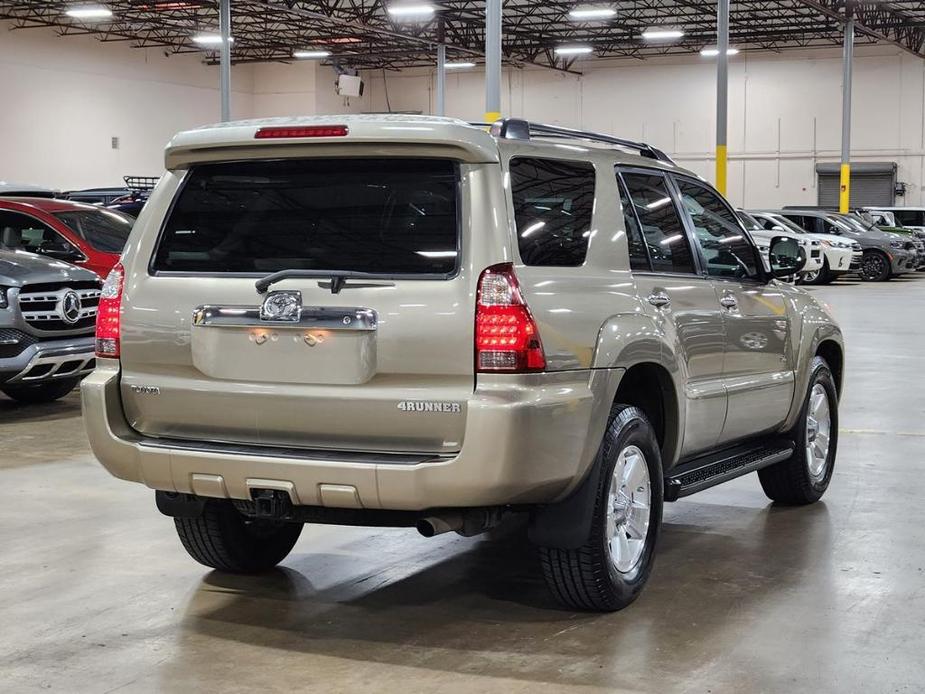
108 314
506 336
301 131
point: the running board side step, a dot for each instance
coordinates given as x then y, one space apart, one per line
708 471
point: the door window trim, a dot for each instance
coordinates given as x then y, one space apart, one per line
696 260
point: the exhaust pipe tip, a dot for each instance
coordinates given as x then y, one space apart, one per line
426 528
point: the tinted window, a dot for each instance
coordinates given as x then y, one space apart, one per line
639 257
751 223
725 247
805 223
914 218
105 230
22 232
661 224
386 216
553 201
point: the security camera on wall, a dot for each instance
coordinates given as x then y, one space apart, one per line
349 85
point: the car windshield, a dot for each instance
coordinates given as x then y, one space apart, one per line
857 223
784 224
105 230
843 224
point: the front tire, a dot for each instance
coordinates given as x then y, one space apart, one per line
820 276
875 267
804 477
41 393
608 572
224 539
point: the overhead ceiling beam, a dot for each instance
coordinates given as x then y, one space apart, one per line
878 20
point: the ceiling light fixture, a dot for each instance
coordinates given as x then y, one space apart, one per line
89 12
457 66
415 11
584 14
713 51
661 34
310 55
573 50
210 39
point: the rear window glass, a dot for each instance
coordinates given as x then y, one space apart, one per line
553 201
381 216
105 230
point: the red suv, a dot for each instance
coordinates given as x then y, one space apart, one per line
85 235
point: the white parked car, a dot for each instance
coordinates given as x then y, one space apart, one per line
762 236
909 217
839 256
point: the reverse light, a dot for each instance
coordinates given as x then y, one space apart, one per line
108 314
285 131
506 336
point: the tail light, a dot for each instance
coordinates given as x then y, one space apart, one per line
506 337
107 314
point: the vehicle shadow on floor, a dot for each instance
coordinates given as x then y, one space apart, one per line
456 610
12 412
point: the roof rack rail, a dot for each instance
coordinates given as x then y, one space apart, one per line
519 129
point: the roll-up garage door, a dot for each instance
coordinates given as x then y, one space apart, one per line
872 183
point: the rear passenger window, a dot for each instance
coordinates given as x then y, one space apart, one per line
553 201
639 258
661 224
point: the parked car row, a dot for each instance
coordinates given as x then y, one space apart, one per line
851 243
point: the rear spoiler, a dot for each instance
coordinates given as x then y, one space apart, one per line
369 137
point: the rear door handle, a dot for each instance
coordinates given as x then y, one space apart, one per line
659 299
729 302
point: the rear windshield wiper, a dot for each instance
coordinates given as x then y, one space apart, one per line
338 278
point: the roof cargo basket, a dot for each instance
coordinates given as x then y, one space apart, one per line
140 182
519 129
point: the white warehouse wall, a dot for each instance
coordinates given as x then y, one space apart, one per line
63 99
784 112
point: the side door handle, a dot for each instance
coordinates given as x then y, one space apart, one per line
659 299
729 302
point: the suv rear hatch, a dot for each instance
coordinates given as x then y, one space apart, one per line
365 344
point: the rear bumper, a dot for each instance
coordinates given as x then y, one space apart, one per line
49 361
529 439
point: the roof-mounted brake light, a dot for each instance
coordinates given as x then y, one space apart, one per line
301 131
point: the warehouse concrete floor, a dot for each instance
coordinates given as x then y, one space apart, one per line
96 594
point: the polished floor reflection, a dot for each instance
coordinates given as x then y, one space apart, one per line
96 594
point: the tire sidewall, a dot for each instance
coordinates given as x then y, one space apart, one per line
629 428
823 376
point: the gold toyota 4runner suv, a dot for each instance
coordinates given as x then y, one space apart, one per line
415 321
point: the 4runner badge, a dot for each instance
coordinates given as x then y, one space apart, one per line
428 406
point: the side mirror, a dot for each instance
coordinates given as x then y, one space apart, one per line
785 257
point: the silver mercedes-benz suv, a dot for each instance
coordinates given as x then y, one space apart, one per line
416 321
47 314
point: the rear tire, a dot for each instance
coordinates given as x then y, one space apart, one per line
875 267
43 392
608 572
224 539
804 477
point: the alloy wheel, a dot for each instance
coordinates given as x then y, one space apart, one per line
873 266
818 433
628 508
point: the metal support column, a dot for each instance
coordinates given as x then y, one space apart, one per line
722 90
440 106
492 60
844 191
224 26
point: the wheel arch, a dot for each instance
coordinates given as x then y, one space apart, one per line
832 352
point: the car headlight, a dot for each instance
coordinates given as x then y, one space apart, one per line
896 244
3 301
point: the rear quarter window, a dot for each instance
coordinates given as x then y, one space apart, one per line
379 216
553 201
